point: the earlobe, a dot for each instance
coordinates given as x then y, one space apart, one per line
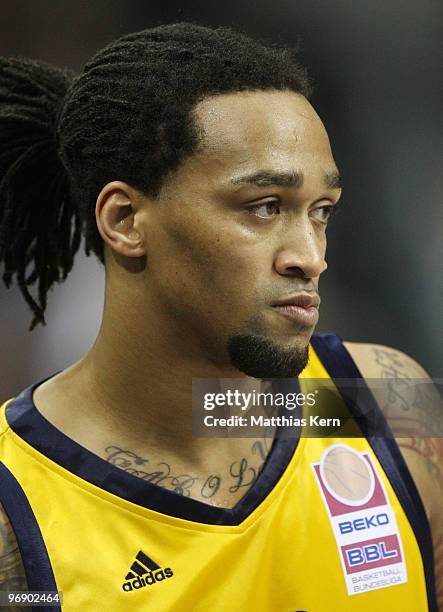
119 219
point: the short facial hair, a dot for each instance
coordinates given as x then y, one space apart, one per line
260 358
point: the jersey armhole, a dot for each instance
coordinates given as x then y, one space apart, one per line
4 425
38 570
340 365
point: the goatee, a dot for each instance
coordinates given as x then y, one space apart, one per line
260 358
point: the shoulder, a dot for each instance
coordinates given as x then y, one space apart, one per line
380 361
12 574
403 389
413 409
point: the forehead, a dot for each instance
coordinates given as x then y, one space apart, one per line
262 129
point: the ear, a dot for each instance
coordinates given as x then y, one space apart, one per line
119 216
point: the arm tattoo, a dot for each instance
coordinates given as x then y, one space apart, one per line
431 451
12 574
414 412
411 404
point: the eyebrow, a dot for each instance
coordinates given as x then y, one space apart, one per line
265 178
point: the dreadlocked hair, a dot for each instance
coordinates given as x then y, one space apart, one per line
37 241
128 116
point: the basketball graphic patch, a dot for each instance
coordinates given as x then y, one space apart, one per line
362 519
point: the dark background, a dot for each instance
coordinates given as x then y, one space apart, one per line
378 73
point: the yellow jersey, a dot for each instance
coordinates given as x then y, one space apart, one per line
299 540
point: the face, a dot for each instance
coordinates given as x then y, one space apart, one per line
240 232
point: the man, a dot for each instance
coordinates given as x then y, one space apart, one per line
213 183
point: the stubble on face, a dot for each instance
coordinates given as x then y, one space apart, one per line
261 358
252 352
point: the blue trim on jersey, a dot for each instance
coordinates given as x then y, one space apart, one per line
32 548
340 365
27 422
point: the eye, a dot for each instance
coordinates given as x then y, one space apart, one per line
325 213
266 210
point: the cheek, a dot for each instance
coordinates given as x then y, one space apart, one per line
181 261
217 266
209 274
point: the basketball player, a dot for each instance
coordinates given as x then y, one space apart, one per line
193 164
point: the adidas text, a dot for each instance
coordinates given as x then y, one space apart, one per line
148 579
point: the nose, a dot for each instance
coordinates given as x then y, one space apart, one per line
303 253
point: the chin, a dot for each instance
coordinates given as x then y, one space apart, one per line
261 357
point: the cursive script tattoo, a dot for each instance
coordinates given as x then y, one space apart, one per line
244 475
241 475
129 462
211 486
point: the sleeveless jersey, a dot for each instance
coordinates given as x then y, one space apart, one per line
299 540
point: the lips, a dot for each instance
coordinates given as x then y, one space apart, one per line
301 299
301 308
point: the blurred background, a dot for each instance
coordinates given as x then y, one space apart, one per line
377 71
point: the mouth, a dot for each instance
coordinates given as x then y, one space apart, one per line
301 308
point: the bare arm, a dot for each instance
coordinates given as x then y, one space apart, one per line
412 412
12 574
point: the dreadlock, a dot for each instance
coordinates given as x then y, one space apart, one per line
35 208
127 116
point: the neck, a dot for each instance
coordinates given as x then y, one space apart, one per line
139 386
129 401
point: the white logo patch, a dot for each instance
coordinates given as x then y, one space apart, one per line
362 519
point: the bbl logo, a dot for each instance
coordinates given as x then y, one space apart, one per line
362 519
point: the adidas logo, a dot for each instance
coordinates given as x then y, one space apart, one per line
145 572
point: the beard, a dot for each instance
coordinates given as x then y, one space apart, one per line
261 358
